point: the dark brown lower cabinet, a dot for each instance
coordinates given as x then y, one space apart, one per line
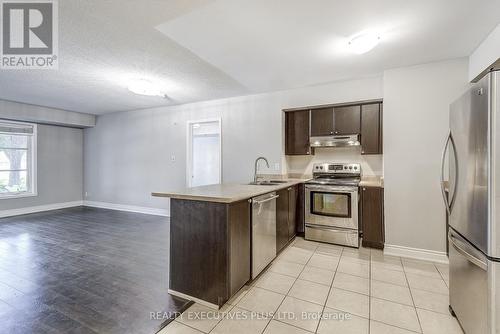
293 197
286 207
210 250
300 213
281 219
372 216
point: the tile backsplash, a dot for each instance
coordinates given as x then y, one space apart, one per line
370 164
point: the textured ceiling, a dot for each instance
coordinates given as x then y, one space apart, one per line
101 45
202 49
272 45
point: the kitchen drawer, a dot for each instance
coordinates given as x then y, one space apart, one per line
332 235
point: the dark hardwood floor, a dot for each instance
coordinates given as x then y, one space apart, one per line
85 270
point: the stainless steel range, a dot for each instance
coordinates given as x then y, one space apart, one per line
331 204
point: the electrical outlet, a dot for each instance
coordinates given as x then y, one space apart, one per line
277 166
172 158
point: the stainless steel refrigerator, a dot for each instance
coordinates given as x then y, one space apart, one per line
473 204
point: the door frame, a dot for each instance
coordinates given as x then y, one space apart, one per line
189 147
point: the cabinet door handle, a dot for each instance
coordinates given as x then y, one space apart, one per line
289 189
364 189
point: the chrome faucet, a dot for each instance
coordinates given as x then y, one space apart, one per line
256 165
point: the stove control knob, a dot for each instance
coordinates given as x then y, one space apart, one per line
355 167
321 167
350 167
345 167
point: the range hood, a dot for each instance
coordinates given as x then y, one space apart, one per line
335 141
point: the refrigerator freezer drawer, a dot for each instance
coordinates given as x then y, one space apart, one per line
469 285
342 237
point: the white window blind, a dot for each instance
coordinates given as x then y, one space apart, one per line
17 159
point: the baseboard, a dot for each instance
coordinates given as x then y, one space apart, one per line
416 253
128 208
39 208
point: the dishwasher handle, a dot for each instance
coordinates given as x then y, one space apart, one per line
266 200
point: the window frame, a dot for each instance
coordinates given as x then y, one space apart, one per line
189 148
31 166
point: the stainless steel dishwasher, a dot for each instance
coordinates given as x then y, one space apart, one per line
263 231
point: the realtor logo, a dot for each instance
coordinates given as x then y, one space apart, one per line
29 34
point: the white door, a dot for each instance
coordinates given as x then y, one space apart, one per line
204 153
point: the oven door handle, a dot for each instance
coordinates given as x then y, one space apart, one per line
332 188
331 228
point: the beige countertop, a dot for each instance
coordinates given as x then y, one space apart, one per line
227 192
372 181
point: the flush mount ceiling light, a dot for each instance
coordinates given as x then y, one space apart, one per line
364 42
145 87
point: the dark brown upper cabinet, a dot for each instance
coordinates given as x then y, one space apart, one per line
364 118
371 128
322 122
329 121
372 216
347 120
297 133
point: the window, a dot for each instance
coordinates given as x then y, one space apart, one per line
17 159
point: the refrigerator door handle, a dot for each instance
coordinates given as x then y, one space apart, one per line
455 186
443 157
449 204
471 258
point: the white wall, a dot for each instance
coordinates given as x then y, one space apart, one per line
485 54
59 158
59 169
416 107
128 154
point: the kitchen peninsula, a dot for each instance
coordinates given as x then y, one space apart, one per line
211 235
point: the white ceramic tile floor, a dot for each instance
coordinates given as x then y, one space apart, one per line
317 275
320 288
310 291
278 327
275 282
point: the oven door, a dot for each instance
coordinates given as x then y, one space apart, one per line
334 206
